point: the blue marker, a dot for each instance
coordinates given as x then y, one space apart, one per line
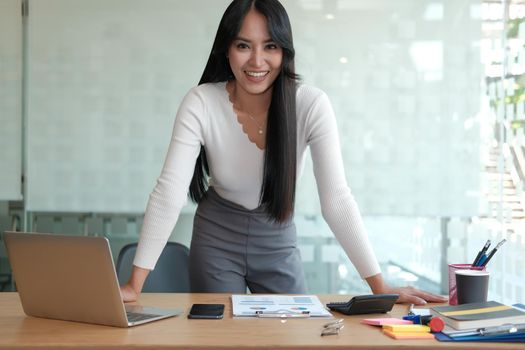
482 260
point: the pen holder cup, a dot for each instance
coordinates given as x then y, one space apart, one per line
452 290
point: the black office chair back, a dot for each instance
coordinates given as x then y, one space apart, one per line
170 275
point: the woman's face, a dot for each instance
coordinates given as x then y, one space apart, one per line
255 59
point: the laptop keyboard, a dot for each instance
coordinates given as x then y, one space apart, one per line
136 317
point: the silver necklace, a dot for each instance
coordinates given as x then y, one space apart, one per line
256 123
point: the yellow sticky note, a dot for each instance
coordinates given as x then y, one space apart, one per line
410 328
408 335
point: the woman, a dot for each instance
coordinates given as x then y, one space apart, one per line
238 144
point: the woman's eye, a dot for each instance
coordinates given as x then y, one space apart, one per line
271 46
242 46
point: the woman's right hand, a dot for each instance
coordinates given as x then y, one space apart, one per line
131 290
128 294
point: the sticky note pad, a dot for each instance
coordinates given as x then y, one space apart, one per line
408 328
385 321
408 335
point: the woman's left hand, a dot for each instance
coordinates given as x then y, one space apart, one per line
409 295
414 296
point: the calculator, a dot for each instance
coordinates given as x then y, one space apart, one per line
365 304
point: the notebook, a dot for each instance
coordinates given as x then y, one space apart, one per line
478 315
72 278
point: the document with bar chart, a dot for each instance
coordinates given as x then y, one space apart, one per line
278 306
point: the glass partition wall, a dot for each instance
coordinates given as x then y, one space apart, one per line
427 95
10 119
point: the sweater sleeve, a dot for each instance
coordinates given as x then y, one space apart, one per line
338 205
170 193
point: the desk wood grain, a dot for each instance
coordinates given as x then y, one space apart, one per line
18 331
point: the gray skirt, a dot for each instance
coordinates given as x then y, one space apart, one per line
233 248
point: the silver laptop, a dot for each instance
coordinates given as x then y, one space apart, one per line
72 278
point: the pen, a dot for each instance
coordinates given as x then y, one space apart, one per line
503 329
492 252
481 252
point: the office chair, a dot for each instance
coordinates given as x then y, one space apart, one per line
170 275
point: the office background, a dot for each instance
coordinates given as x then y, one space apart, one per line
429 102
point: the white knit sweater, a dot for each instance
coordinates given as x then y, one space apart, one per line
206 117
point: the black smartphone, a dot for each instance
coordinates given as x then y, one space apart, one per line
206 311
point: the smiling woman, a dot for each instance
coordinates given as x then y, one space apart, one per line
238 144
255 60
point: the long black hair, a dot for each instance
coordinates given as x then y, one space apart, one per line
277 194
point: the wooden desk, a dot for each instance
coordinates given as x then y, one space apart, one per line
18 331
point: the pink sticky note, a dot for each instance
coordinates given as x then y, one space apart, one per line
385 321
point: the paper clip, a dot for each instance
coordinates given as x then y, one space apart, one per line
282 314
333 323
332 328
